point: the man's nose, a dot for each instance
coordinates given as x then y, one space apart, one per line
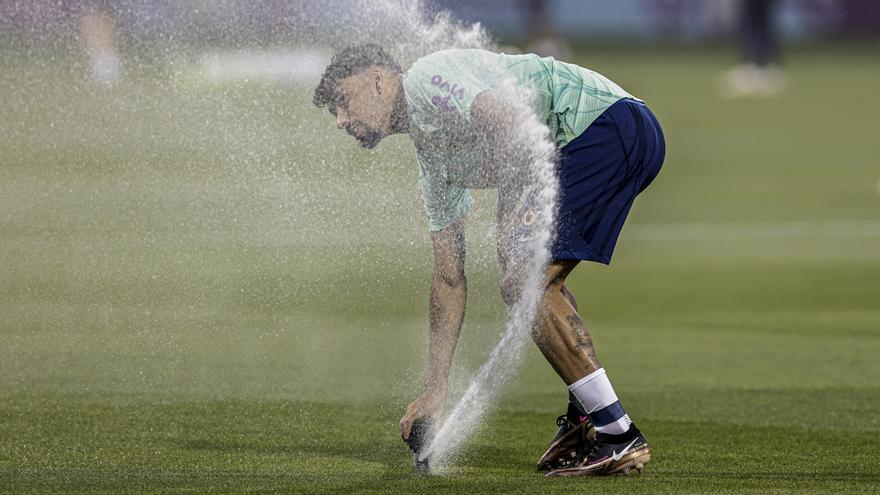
341 119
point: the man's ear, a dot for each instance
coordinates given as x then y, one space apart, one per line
378 79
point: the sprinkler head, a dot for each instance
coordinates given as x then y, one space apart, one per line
419 442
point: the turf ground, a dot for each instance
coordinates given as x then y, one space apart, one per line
205 287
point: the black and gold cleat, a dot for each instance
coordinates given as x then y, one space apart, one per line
572 436
610 454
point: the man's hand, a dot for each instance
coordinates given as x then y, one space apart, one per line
429 404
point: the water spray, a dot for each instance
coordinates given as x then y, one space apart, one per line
535 170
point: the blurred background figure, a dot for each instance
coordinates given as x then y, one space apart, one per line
98 34
760 72
543 37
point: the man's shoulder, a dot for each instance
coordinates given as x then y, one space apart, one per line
451 59
447 54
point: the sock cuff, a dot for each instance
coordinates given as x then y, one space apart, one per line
594 391
592 376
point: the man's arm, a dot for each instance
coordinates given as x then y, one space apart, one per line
446 313
509 164
509 158
499 122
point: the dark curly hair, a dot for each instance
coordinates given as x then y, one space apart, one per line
348 62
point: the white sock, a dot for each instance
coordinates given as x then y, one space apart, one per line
597 398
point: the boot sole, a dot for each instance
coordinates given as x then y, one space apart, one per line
635 460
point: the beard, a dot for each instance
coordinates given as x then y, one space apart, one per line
370 139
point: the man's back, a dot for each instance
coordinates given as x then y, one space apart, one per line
567 97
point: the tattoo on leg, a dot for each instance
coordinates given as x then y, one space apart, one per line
583 341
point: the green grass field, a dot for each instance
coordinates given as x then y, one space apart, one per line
206 287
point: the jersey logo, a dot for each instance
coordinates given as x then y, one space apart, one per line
442 103
453 89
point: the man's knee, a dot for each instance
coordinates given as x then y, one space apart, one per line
556 273
554 278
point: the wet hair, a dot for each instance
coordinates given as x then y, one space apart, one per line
348 62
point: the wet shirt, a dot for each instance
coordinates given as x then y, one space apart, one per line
440 89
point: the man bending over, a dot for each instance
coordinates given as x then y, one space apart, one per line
610 148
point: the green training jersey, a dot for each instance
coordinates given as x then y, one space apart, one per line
440 89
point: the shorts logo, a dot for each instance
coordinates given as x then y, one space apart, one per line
454 90
528 218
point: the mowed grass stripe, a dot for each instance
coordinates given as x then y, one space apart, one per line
279 446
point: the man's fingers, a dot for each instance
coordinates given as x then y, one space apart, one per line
405 428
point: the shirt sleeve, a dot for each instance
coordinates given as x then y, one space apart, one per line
444 202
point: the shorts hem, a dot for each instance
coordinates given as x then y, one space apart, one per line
577 255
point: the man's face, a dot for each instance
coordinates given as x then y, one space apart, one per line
363 105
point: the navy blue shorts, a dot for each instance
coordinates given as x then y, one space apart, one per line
600 174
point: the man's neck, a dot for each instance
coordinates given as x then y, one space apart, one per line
400 114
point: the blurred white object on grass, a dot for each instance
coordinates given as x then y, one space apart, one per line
750 80
285 64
